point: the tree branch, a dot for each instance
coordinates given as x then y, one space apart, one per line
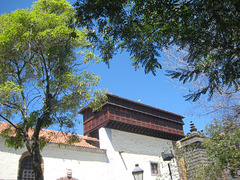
33 99
6 119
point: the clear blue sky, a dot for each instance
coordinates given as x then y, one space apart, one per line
121 79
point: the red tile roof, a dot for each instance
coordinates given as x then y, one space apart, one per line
58 137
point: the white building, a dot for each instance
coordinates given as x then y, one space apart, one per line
122 134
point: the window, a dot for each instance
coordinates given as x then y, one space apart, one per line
154 168
26 168
25 171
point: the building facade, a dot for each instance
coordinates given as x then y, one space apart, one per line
117 137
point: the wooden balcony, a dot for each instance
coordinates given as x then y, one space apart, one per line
134 117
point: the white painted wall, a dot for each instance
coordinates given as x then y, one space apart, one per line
9 161
123 151
86 164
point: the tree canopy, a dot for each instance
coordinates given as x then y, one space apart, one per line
209 30
42 82
223 148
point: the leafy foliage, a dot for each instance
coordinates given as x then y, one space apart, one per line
41 83
217 156
223 147
14 138
209 30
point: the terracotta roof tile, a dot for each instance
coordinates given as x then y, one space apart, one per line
58 137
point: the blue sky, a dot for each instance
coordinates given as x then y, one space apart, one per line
121 79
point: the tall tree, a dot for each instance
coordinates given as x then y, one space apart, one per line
209 30
41 83
223 148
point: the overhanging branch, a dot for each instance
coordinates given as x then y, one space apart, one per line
6 119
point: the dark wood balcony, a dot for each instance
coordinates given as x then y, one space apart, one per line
126 115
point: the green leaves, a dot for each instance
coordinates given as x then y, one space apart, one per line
221 143
222 146
209 30
61 8
42 83
99 98
76 91
13 137
9 90
10 99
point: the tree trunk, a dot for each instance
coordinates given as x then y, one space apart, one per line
37 161
33 148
